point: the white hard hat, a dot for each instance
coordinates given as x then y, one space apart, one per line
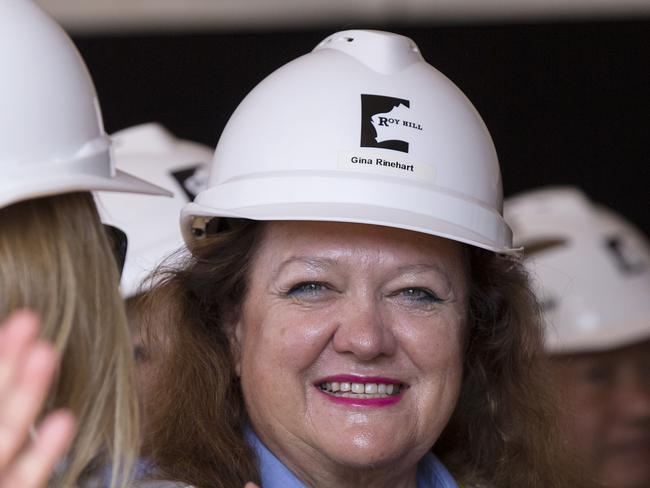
591 269
362 130
51 135
150 223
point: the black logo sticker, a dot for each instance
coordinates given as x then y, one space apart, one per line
192 180
386 122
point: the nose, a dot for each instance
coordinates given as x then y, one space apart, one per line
364 331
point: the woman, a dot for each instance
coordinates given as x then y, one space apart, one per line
592 270
56 258
351 314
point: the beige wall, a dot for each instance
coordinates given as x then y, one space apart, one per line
103 15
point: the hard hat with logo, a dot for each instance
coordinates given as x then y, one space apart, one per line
363 130
51 135
151 224
590 267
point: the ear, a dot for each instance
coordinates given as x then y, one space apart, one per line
234 336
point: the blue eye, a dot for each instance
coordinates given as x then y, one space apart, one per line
307 289
420 295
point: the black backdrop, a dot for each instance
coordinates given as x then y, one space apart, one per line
566 102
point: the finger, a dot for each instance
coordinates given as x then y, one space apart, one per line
35 466
23 401
250 484
17 335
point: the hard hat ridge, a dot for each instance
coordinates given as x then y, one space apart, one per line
383 52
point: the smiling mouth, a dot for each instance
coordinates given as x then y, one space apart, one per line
360 391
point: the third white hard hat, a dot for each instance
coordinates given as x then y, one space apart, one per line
590 267
362 130
151 224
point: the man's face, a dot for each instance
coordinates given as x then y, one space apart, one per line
606 412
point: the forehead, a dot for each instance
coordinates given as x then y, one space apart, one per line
340 241
632 352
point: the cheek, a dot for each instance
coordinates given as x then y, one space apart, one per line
434 344
584 415
281 340
435 348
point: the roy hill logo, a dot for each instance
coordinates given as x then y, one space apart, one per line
385 122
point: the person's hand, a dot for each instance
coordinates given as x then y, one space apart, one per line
27 366
250 484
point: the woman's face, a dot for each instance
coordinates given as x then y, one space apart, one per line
350 344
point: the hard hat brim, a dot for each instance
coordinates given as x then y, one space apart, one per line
356 199
360 214
13 191
606 337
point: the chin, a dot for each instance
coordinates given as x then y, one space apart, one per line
363 450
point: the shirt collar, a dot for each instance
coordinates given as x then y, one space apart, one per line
274 474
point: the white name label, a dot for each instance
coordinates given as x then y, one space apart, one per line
368 161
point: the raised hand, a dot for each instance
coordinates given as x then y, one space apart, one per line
27 366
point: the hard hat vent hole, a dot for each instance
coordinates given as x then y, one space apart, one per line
542 245
329 40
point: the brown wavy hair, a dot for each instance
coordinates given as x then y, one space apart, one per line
56 260
502 432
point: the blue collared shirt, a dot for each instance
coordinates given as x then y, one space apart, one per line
274 474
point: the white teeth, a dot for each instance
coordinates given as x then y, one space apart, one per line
371 388
360 390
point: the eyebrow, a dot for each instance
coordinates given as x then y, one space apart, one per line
425 268
311 263
320 264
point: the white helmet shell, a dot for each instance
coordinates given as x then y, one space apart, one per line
150 223
361 130
590 267
51 135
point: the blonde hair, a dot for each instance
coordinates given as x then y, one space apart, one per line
55 259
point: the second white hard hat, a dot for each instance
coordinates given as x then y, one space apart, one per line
590 267
51 134
151 224
362 130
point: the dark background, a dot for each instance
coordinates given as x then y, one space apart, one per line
566 102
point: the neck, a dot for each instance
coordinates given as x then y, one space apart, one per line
313 470
356 478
